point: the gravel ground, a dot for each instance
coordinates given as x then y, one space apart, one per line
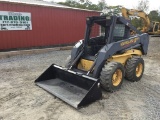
21 99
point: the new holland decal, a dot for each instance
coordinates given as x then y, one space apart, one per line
129 42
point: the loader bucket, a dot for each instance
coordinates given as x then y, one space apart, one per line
76 90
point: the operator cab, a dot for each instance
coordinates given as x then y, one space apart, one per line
101 31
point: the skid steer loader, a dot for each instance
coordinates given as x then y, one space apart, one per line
98 61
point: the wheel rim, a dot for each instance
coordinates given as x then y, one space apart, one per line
117 77
139 69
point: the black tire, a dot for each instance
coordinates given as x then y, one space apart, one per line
106 76
131 72
68 61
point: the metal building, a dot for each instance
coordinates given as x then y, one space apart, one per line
28 23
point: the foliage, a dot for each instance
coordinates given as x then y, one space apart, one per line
85 4
137 22
143 5
102 5
114 10
154 15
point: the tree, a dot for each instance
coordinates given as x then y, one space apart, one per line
143 5
70 3
154 15
102 5
86 3
112 10
137 22
83 4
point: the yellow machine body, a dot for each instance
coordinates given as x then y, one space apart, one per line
85 65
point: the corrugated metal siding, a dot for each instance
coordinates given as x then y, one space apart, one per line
50 26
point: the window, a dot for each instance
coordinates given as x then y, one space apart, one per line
119 30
